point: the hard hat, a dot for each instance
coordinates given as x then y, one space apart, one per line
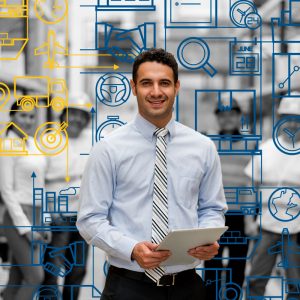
80 101
290 106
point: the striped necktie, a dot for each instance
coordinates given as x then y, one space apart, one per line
160 198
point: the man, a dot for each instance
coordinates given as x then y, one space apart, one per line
64 238
144 179
277 171
233 166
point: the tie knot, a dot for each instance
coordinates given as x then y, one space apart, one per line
161 132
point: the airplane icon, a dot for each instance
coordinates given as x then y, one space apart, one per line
285 247
51 48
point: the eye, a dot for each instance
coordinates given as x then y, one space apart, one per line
145 83
165 83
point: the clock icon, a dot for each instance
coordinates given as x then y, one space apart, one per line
239 11
108 126
286 135
50 11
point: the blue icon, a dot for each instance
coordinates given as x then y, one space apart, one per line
250 134
64 265
253 20
191 14
286 247
284 204
113 89
289 127
45 292
290 17
286 67
193 53
245 58
242 201
53 203
125 5
230 288
106 127
244 14
294 69
125 44
216 283
286 64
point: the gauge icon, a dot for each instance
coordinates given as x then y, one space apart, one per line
108 126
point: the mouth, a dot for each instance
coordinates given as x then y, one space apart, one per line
157 103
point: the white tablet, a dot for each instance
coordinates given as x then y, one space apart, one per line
179 241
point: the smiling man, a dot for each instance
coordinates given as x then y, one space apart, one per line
145 179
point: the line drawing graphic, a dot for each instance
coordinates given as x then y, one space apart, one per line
187 59
13 11
113 89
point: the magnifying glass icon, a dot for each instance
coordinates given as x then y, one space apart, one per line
193 53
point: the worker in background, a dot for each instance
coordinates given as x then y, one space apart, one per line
77 116
233 166
278 169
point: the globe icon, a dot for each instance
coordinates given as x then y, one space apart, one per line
284 204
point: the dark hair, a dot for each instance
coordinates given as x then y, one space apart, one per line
158 55
62 117
14 108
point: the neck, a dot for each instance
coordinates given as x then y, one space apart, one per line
159 123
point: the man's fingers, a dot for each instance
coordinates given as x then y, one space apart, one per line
151 246
205 252
160 254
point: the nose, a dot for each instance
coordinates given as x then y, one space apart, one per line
156 91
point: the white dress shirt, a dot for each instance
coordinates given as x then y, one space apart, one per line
117 188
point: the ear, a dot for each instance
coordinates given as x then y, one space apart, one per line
177 86
133 87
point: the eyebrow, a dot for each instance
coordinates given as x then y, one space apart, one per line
149 79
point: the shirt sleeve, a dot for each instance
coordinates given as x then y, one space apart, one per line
10 196
96 198
211 201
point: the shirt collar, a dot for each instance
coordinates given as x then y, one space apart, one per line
147 129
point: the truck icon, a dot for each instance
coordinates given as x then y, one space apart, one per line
53 93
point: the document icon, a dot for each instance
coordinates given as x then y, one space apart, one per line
191 13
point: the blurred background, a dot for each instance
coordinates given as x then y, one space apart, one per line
52 49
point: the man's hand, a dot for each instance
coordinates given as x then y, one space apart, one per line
145 255
205 252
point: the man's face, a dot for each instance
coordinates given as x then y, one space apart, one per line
155 90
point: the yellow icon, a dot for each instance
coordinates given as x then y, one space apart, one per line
4 94
51 11
51 48
51 138
53 92
13 146
10 12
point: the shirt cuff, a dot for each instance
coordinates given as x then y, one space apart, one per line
125 247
